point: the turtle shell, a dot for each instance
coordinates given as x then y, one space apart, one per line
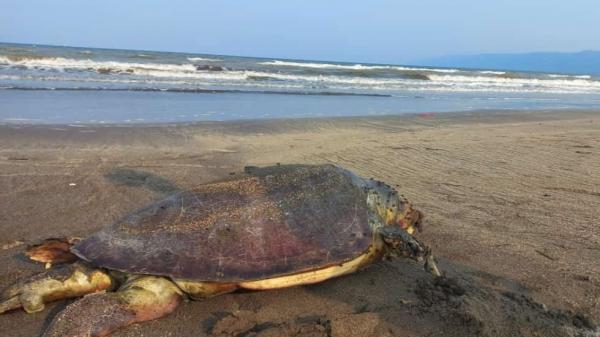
269 222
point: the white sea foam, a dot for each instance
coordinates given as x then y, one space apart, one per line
321 65
492 72
570 76
447 83
163 75
352 67
202 59
486 83
433 70
142 56
10 77
61 64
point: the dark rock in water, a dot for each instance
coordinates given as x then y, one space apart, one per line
511 75
104 71
108 71
417 76
208 67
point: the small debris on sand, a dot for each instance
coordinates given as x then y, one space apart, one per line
12 244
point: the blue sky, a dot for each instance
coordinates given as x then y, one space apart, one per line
366 31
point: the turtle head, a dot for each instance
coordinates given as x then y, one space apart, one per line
392 208
394 218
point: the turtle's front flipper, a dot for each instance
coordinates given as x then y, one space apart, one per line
66 281
401 243
140 299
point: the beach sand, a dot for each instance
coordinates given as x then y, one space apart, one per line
511 199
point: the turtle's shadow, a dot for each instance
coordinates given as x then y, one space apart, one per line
137 178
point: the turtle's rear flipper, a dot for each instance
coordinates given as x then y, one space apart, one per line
54 250
142 299
66 281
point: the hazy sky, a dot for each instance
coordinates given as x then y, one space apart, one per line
367 31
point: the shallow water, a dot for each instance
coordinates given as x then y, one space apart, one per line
45 84
62 107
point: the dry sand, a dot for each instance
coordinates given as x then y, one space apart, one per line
511 198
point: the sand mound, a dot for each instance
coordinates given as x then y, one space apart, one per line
414 303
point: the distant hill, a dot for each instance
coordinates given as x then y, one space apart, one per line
584 62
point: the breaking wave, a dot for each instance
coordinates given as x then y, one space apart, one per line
351 67
142 56
188 73
63 64
492 72
202 59
587 77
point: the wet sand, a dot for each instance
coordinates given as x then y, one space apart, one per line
511 200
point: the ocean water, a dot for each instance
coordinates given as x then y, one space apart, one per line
48 84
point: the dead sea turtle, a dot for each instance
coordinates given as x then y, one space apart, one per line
271 228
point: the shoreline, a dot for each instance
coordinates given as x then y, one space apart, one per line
133 108
464 115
